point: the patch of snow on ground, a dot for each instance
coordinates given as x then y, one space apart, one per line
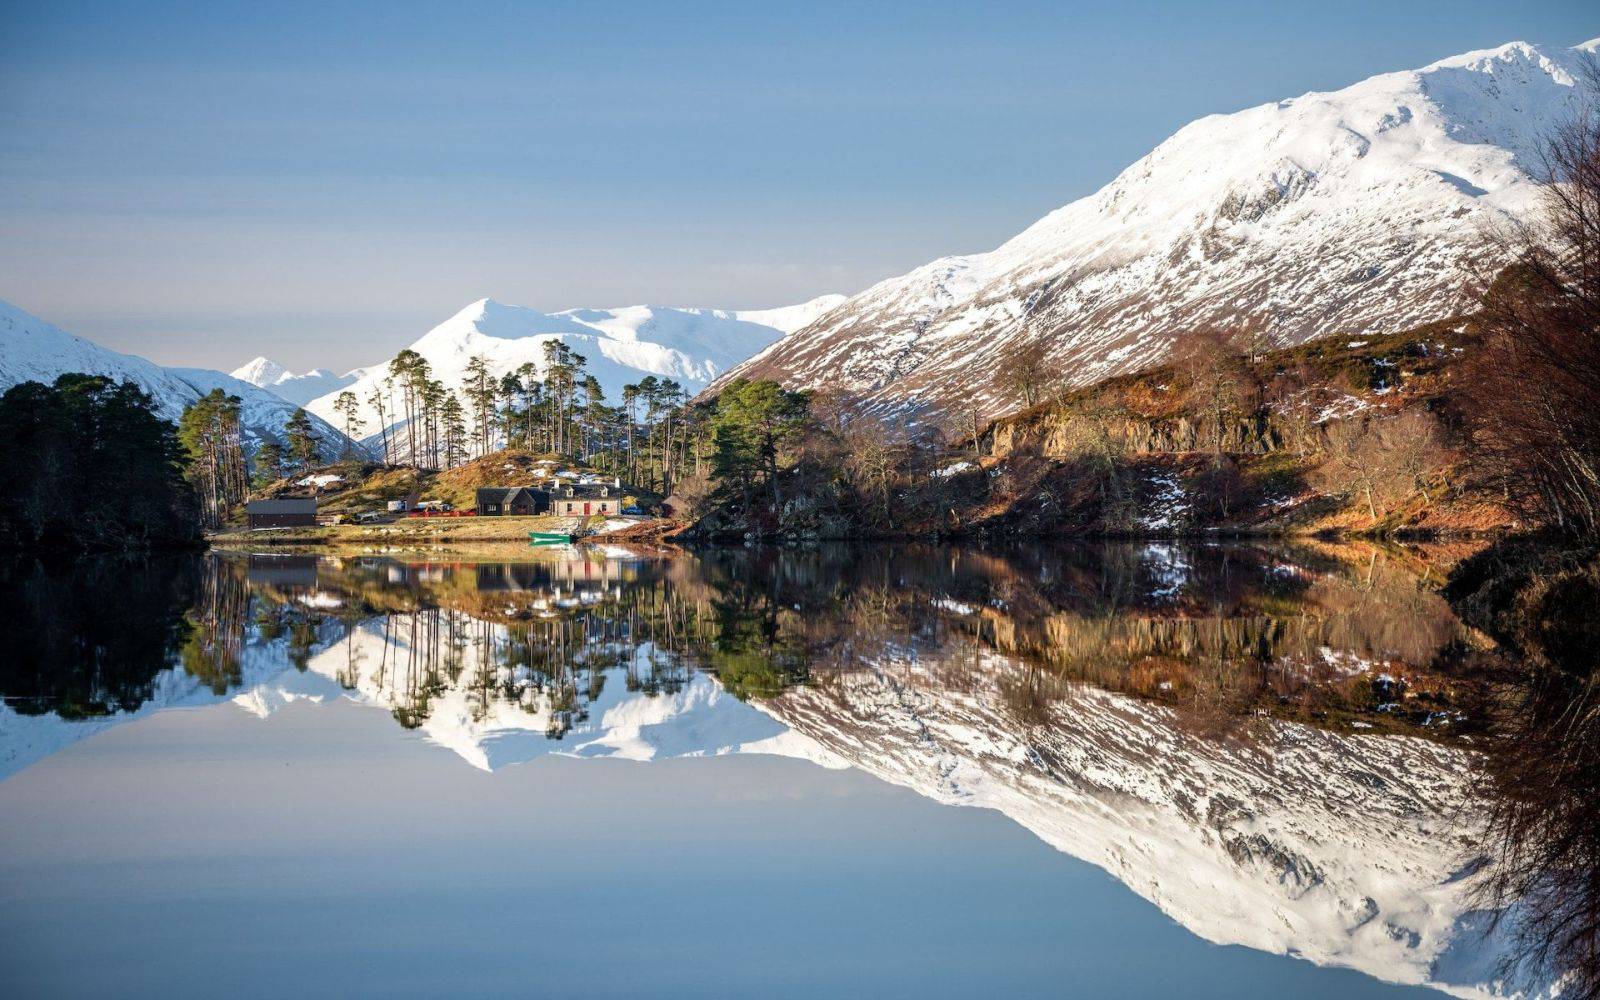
1343 408
618 524
1169 506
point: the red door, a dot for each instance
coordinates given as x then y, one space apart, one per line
586 508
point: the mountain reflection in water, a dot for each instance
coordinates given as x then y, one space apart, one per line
1274 745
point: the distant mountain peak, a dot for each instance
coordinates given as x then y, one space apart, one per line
260 371
296 389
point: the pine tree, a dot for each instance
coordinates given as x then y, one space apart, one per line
479 390
532 394
209 431
268 463
90 465
303 440
453 416
348 407
753 424
411 373
377 401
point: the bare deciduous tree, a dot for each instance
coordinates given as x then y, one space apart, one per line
1028 372
875 459
1385 460
1219 381
1295 397
1532 389
1354 465
1414 453
1090 435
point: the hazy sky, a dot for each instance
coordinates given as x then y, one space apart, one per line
200 183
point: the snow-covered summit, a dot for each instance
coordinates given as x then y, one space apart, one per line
260 371
33 350
1365 209
298 389
621 345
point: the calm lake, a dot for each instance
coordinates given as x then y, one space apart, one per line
1116 770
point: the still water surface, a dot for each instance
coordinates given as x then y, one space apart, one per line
1199 770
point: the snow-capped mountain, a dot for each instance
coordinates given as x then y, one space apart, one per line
33 350
621 346
1362 210
297 389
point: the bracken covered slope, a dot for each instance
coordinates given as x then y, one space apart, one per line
1367 209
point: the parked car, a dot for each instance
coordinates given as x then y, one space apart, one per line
368 516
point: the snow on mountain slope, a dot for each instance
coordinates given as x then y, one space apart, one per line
1341 850
33 350
297 389
791 318
1366 209
691 346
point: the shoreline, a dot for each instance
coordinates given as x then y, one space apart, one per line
424 531
431 533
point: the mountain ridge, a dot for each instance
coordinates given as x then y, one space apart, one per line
32 349
1369 208
299 389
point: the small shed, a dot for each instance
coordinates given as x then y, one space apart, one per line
284 512
494 501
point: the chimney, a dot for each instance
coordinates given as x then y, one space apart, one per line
617 482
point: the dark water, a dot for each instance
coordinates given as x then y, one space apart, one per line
1207 770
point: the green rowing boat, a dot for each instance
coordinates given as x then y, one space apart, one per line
549 538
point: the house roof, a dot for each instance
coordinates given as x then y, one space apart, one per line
282 505
591 491
505 494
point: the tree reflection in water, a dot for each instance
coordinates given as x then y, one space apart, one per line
1224 636
1541 782
1219 633
86 637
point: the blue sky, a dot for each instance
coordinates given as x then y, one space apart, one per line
204 182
